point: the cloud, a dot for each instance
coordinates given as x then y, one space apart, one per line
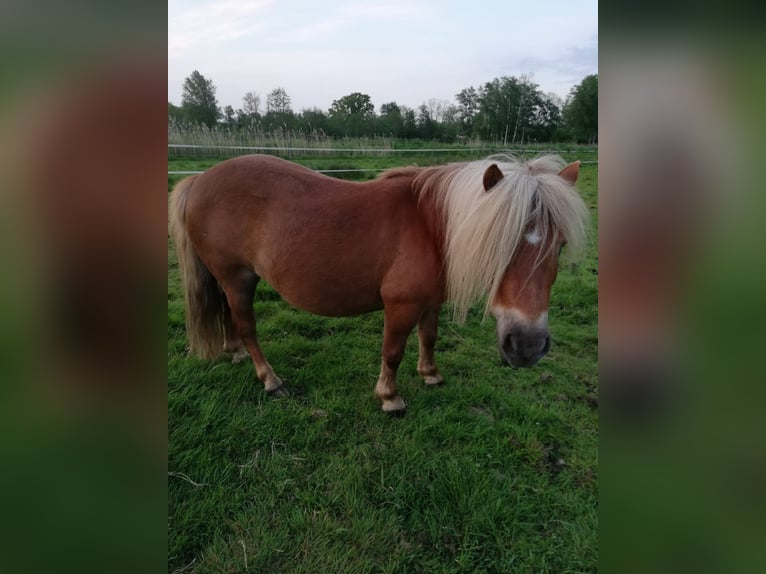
570 65
406 51
312 32
405 10
213 24
347 18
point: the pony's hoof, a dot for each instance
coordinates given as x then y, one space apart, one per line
395 407
279 392
433 380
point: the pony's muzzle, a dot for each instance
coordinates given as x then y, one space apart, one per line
523 340
520 347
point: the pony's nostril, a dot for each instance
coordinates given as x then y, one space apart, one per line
546 345
508 343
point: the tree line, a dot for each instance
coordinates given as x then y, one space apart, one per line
508 110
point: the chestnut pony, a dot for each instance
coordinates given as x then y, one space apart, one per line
405 242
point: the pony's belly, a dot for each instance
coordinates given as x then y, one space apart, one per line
331 305
328 297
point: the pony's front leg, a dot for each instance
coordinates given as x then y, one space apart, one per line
399 322
427 331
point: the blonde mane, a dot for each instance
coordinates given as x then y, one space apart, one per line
484 229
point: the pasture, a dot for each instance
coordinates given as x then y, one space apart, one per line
494 471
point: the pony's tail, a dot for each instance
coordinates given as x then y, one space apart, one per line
203 298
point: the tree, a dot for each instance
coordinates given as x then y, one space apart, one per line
174 112
314 121
352 115
450 124
198 101
390 120
468 106
436 109
428 128
512 110
528 111
409 122
279 116
547 118
228 115
581 111
278 102
498 105
251 103
249 114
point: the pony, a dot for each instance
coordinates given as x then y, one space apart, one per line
406 243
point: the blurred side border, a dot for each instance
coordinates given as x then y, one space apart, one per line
83 403
682 457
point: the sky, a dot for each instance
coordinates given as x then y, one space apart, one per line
405 51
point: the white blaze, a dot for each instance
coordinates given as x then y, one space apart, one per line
533 237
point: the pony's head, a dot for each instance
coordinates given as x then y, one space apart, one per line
520 301
506 224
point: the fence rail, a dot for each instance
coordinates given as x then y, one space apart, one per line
198 150
316 170
588 150
185 172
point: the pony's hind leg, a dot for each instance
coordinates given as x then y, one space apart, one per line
427 331
232 343
399 322
240 290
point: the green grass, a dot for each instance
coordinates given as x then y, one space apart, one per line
494 471
191 160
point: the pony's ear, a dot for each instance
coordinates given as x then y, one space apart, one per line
492 176
570 172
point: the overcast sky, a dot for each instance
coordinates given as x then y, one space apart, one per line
404 51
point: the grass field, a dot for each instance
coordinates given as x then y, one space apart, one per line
494 471
416 153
